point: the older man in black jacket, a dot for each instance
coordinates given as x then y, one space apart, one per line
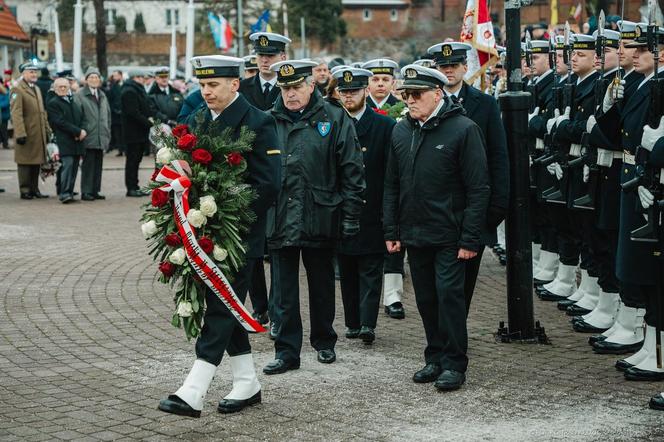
451 59
321 195
137 119
65 118
436 197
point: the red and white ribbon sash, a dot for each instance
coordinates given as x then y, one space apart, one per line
177 180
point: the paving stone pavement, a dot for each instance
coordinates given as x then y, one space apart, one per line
87 351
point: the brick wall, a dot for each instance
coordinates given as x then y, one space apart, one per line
380 25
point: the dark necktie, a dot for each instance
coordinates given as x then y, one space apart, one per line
266 89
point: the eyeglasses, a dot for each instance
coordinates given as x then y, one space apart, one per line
416 94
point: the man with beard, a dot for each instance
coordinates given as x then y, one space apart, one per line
361 257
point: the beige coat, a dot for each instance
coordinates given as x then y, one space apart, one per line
29 120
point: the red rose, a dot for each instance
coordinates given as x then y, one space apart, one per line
379 111
187 142
167 268
180 130
173 239
154 175
159 198
206 244
201 156
234 158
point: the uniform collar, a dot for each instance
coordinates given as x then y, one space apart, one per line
262 81
215 115
645 80
434 113
543 76
380 105
359 115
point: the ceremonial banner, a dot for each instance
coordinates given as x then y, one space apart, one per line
263 23
477 30
221 31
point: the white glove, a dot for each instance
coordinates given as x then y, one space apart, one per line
564 116
647 198
552 122
651 136
586 173
590 124
555 170
612 95
534 114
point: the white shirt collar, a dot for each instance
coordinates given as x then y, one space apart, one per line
215 115
607 73
359 114
629 72
272 82
544 75
164 90
645 80
382 103
435 112
579 80
564 77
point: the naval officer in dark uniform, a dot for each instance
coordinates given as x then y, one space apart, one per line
219 78
166 98
436 196
451 59
320 198
361 256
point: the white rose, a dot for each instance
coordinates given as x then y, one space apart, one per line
196 218
149 229
184 309
178 256
165 155
219 253
208 206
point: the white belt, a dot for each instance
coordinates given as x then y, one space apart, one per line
605 157
628 158
575 150
539 144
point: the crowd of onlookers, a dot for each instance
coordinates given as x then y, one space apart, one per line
61 124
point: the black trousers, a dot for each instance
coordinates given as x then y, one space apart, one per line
361 285
91 170
258 288
221 331
633 295
28 178
472 271
604 246
320 278
66 175
132 163
117 138
394 262
4 134
569 242
438 280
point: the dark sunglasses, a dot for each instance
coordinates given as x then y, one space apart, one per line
416 94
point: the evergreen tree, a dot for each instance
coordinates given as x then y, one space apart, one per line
139 24
322 19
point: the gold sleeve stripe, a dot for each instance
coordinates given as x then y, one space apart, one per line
273 152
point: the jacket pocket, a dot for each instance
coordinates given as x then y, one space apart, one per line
322 214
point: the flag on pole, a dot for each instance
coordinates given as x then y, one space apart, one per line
576 12
477 30
263 23
554 13
221 31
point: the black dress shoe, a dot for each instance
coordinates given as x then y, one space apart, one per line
26 196
235 405
565 304
39 195
622 365
450 380
352 333
582 326
367 334
327 356
261 318
546 295
395 310
136 193
656 403
612 348
274 330
279 366
429 373
636 374
67 199
596 338
174 405
575 310
87 197
537 282
99 196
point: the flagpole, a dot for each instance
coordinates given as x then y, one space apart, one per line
240 29
59 64
78 30
189 48
174 52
